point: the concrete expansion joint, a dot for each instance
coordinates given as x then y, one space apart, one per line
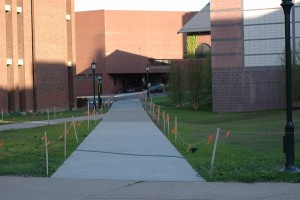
116 189
131 184
130 154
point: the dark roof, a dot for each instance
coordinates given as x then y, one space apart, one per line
199 23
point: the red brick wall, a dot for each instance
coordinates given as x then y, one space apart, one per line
206 39
51 72
50 55
3 68
90 45
235 87
226 33
125 43
249 89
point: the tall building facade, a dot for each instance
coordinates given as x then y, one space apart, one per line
124 44
37 55
247 50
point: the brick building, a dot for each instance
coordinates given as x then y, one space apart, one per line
199 28
37 55
247 44
123 44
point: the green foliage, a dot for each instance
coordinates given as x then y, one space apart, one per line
207 82
199 82
295 74
192 83
176 81
296 85
191 45
18 117
195 83
251 153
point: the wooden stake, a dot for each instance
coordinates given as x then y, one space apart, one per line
48 116
46 152
158 113
175 129
88 116
168 124
65 140
164 119
213 156
153 111
2 116
74 125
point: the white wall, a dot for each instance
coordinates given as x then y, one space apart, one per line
264 32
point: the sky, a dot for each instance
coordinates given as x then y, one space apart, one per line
149 5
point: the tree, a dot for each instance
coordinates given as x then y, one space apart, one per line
194 82
295 74
199 82
176 81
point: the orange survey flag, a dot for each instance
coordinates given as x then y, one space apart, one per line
43 138
227 134
173 130
210 139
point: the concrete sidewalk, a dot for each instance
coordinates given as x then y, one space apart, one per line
12 188
127 145
33 124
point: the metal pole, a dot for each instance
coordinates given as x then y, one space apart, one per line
147 82
288 138
99 93
94 89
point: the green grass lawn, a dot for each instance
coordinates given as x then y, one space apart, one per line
22 152
19 117
252 152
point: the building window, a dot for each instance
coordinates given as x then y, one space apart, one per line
202 50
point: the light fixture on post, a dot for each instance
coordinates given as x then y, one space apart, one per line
288 138
99 92
147 81
93 65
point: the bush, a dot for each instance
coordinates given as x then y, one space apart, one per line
176 80
295 74
199 82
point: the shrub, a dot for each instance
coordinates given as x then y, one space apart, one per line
176 81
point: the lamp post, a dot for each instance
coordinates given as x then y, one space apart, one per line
147 81
93 65
288 138
99 92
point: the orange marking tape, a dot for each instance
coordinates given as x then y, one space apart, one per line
210 139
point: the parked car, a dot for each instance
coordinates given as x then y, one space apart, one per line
156 89
132 89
